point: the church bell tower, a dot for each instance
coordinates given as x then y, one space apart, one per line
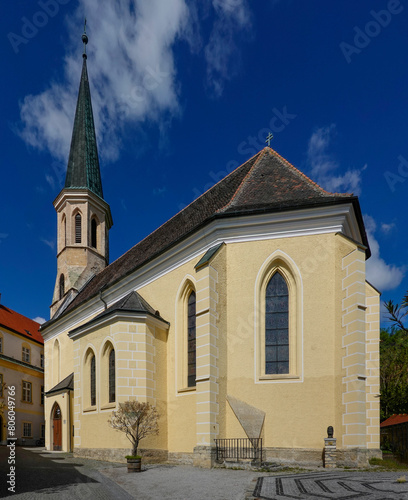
84 217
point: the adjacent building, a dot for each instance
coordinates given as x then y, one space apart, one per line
22 367
246 315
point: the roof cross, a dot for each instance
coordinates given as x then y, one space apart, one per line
269 138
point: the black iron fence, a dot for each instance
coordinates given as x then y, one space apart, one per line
239 449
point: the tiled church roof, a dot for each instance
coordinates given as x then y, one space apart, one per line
265 183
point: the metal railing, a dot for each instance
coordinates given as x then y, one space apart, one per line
239 449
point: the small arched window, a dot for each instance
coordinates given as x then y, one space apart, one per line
61 286
112 395
94 226
64 229
93 381
78 228
277 326
191 340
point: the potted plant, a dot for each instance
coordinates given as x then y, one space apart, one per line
137 420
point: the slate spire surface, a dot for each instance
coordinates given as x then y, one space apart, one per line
83 164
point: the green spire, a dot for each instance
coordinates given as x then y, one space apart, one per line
83 164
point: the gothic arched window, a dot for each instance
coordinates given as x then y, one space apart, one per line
277 326
93 381
191 340
78 228
112 395
94 226
61 286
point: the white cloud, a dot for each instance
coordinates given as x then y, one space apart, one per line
387 228
49 243
323 166
382 275
221 52
40 320
132 68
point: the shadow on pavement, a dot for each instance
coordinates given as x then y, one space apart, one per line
34 472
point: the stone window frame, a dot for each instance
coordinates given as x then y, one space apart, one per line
26 392
282 263
1 385
26 352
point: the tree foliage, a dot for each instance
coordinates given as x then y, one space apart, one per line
393 372
397 313
137 420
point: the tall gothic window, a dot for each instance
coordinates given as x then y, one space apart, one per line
277 326
93 233
191 339
112 376
61 286
93 382
78 228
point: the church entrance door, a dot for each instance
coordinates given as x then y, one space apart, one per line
57 431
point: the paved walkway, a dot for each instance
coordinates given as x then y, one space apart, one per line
332 485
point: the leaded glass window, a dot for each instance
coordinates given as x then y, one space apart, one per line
27 386
26 354
112 376
191 342
93 382
277 326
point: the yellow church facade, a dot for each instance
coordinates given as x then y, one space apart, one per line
246 315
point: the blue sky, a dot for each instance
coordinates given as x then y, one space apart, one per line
184 92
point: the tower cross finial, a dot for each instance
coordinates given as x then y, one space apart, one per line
84 39
269 138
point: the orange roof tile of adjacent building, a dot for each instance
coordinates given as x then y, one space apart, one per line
395 419
20 324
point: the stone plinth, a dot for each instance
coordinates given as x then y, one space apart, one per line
330 452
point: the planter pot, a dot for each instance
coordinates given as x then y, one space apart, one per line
134 464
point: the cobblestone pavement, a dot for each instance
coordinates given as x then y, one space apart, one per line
331 485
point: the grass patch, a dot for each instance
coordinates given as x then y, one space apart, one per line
388 464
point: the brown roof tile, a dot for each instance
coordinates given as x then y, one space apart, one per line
264 183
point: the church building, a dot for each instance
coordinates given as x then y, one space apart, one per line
246 315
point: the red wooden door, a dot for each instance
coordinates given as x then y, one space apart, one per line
57 438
